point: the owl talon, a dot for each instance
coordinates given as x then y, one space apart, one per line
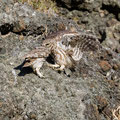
39 73
53 66
61 68
56 67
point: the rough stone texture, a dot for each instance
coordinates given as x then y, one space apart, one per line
89 93
90 5
113 35
105 66
93 15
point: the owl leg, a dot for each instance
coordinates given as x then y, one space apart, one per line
56 67
37 71
53 66
61 68
37 65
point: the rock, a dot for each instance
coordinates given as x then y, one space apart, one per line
19 26
68 3
111 22
105 66
2 50
112 3
101 103
79 4
58 96
119 16
33 116
116 65
112 35
92 112
108 113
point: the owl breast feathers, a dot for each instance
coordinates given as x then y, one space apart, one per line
66 47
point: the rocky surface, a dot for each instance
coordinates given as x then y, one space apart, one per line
91 92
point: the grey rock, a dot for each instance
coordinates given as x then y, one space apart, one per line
2 51
119 16
24 96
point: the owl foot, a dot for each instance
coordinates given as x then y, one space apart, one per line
56 67
61 68
53 66
39 73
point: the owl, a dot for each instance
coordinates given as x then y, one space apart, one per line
35 59
66 47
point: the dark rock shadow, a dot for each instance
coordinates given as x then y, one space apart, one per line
23 70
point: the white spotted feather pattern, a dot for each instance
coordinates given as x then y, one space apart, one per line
66 47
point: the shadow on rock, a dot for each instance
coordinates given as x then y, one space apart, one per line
23 70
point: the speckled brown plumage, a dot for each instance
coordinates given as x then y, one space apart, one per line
66 47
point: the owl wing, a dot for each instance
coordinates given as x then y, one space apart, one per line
80 43
28 62
40 52
85 42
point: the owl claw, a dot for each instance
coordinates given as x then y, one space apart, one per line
61 68
56 67
53 66
39 73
